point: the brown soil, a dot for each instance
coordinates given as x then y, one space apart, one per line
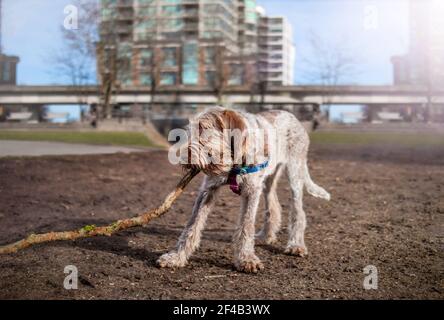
387 211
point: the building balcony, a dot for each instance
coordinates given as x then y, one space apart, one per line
125 16
124 3
124 29
191 26
275 42
190 13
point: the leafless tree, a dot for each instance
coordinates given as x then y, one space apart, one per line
92 52
75 60
157 55
329 63
221 73
113 57
96 50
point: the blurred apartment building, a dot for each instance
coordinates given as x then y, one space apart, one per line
276 51
8 69
16 112
424 63
197 42
8 64
8 77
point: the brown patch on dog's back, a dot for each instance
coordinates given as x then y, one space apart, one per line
271 115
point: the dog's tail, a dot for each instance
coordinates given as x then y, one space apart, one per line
313 188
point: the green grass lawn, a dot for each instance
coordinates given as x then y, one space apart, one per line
368 138
140 140
136 139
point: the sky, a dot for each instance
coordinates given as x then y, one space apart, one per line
373 30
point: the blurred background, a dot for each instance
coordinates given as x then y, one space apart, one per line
90 62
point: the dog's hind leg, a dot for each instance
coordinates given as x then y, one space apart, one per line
190 239
273 209
296 219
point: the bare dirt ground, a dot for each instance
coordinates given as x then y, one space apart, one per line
387 211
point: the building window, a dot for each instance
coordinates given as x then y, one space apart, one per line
210 78
125 79
276 30
169 57
250 4
6 76
172 9
172 35
212 34
210 55
108 12
250 17
173 23
145 25
275 65
168 78
144 2
146 11
146 56
190 73
145 79
276 56
124 50
236 75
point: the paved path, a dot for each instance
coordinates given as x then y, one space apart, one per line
40 148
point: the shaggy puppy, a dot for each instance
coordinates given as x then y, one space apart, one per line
248 152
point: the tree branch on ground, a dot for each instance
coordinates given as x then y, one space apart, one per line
93 231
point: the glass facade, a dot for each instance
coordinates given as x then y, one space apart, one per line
145 57
190 73
145 79
183 36
6 74
172 9
168 78
210 78
124 77
124 50
210 56
169 57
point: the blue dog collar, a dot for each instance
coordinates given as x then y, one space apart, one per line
249 169
232 181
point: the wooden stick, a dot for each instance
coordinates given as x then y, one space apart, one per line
93 231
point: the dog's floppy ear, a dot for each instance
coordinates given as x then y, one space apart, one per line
233 121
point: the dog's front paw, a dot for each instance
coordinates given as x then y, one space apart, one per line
298 251
171 260
252 264
264 238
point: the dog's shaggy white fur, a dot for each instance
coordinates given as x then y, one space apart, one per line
285 147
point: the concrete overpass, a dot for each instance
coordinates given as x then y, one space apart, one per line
314 95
